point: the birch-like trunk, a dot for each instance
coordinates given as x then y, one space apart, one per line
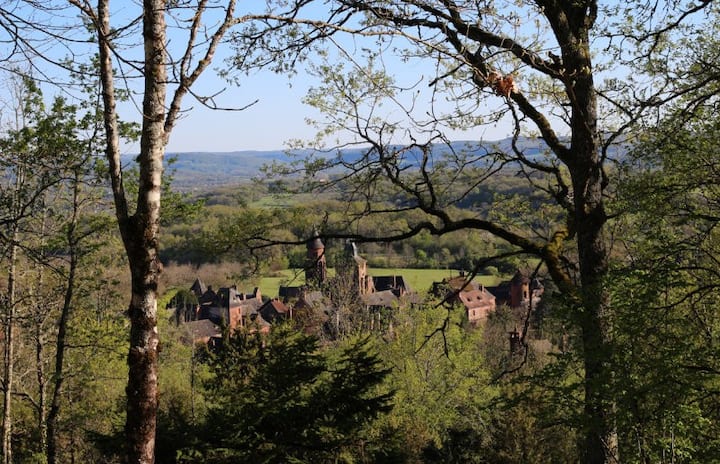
140 230
140 236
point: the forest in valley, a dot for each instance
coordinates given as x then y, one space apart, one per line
605 187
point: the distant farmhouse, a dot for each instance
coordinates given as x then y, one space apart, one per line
479 301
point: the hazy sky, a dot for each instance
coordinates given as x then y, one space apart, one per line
278 116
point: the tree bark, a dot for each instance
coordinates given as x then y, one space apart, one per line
140 231
140 236
9 319
59 374
589 218
40 318
8 361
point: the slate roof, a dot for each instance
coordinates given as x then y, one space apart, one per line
396 283
289 292
249 307
198 287
216 314
382 299
460 282
201 330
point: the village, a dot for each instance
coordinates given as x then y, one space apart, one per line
323 302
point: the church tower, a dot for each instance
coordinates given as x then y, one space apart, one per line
519 290
315 266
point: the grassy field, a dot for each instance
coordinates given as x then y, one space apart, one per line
419 280
283 200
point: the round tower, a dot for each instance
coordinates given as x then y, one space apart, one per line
315 266
519 290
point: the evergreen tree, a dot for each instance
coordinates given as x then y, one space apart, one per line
280 398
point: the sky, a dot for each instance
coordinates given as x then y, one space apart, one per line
278 116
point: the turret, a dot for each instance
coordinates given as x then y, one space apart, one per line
315 266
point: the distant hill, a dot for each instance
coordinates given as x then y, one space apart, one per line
193 170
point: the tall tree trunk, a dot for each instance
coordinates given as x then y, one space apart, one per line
601 444
40 317
8 361
40 377
140 236
595 314
59 375
140 230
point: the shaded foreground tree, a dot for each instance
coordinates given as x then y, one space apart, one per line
41 158
280 397
541 83
671 190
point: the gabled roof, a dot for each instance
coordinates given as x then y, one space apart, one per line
476 298
461 282
382 299
201 330
198 287
501 291
286 292
208 297
248 307
382 283
273 309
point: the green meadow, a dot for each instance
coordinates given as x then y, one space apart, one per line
419 280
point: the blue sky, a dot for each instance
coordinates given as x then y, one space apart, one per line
278 116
